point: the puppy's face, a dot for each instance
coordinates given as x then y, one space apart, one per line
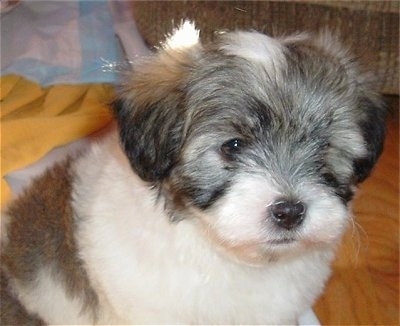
261 140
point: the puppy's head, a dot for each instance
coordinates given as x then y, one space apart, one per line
262 140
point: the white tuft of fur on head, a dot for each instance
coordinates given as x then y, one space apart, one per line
183 37
255 47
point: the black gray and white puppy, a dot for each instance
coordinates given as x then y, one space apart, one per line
220 200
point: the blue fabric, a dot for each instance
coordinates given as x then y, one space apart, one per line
60 42
98 42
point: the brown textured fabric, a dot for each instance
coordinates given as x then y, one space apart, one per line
370 29
373 5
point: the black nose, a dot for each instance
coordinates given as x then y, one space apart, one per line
288 214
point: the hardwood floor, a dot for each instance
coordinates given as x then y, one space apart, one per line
364 288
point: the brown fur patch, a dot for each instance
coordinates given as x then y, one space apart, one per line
41 234
157 77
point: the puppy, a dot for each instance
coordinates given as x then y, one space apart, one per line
219 200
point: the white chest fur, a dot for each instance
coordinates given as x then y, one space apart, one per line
148 270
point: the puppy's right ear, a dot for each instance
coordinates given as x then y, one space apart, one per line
372 122
150 109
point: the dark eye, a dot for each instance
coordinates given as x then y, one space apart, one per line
232 147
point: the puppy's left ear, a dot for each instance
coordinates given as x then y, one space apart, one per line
371 110
150 109
372 122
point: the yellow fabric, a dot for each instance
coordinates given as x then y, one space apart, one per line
35 120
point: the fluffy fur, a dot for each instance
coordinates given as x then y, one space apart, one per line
220 200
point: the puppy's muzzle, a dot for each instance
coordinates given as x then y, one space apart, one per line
288 214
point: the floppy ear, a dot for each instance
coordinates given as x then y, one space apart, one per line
372 121
150 109
371 111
